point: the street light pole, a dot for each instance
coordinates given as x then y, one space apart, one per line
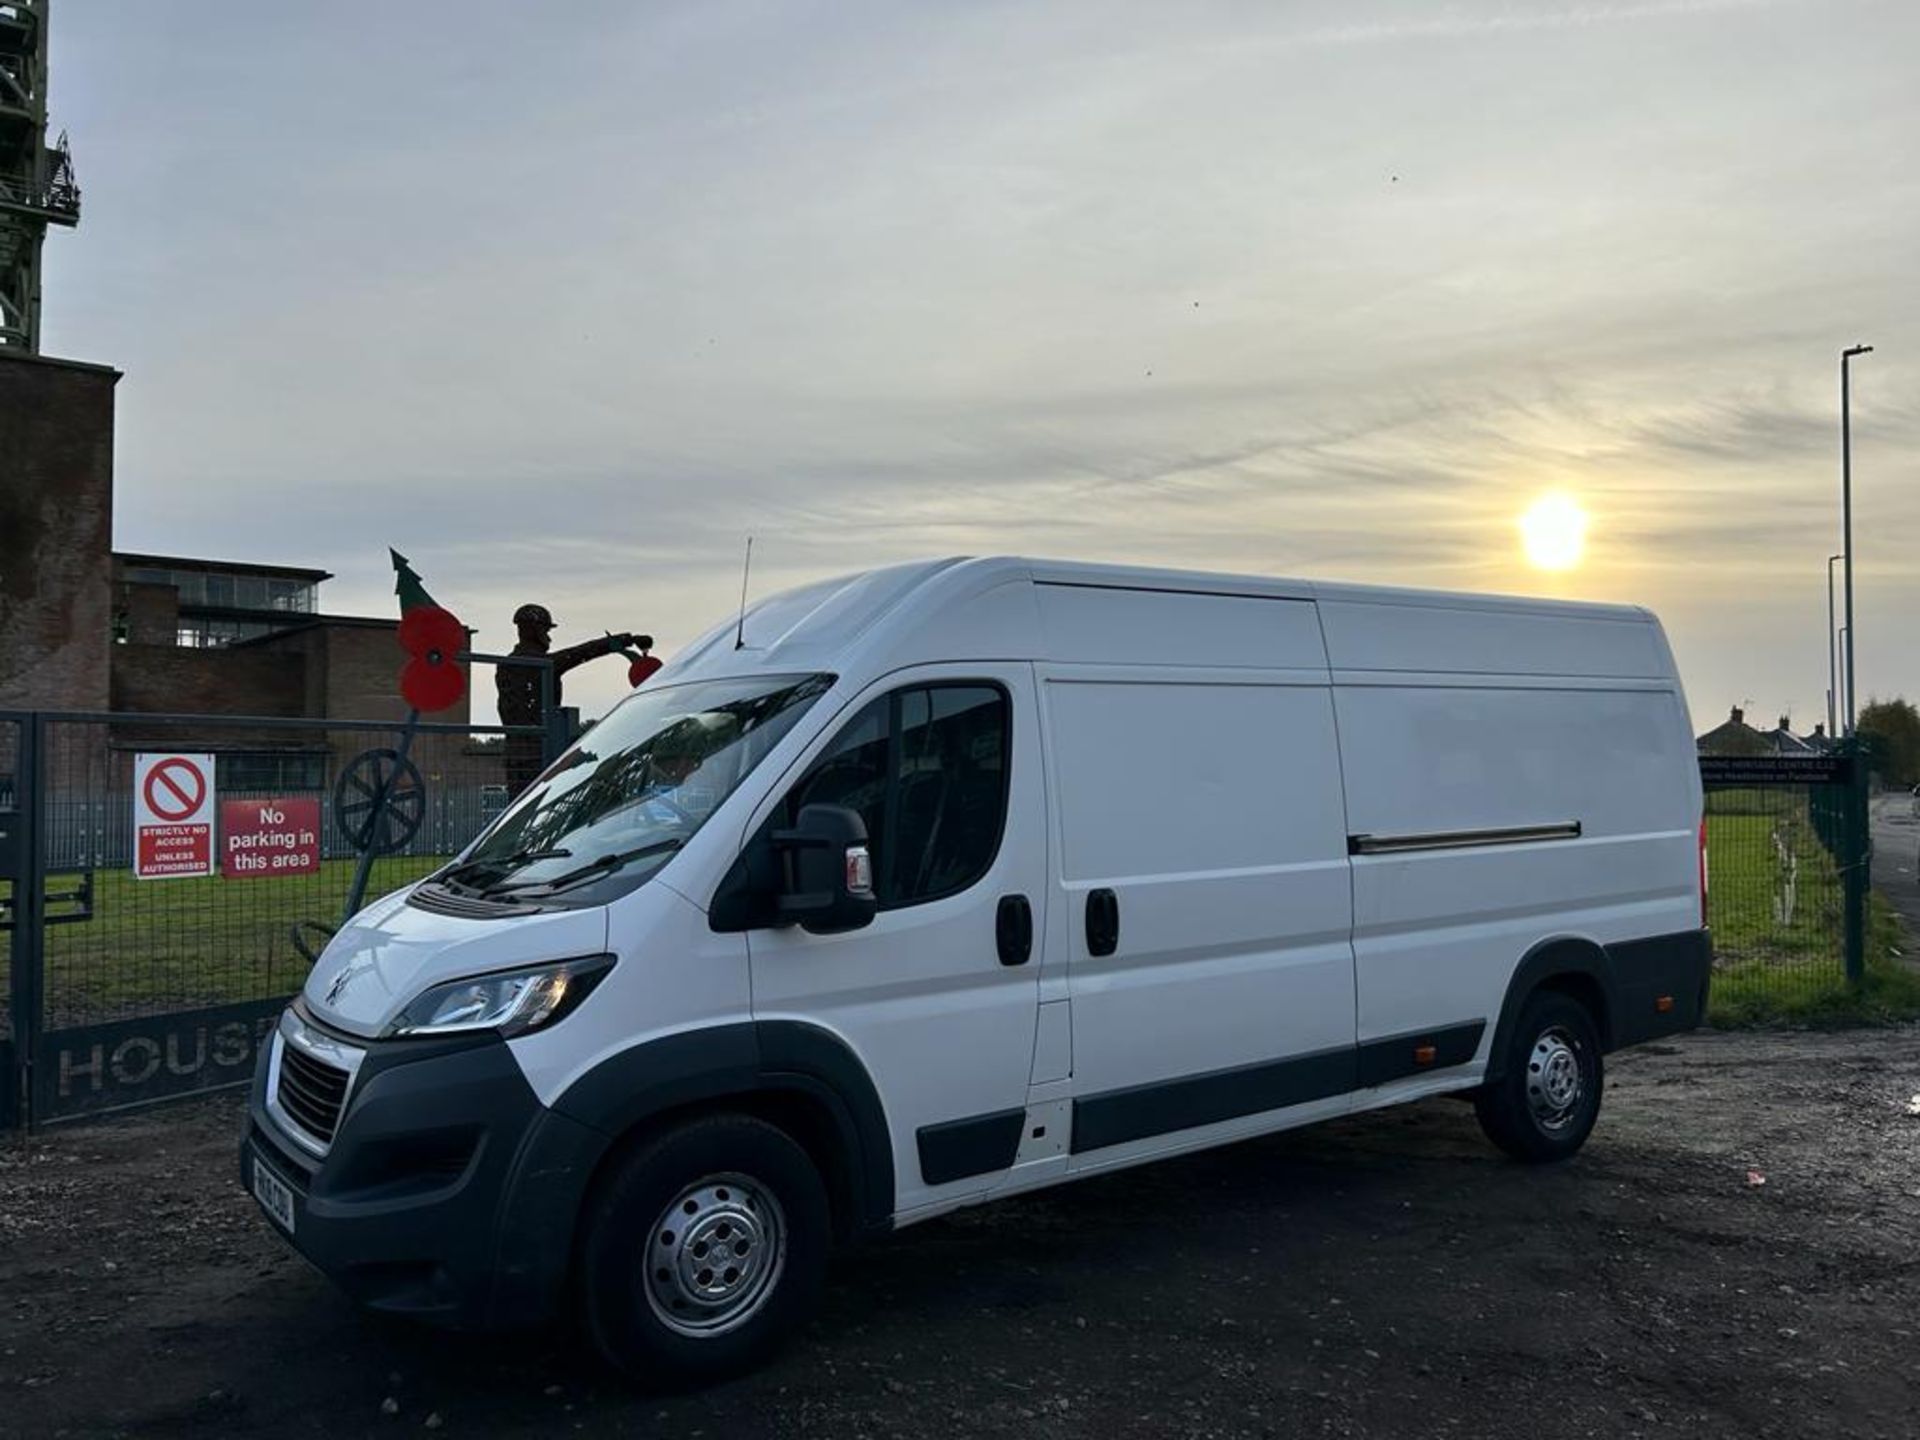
1833 657
1846 511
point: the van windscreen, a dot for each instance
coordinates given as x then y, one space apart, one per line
635 788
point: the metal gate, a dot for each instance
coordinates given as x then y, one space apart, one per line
1788 851
15 856
124 991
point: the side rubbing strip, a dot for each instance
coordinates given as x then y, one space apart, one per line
956 1149
1418 1051
1142 1110
1460 839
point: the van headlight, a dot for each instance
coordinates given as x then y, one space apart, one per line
510 1001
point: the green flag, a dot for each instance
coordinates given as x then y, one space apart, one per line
406 583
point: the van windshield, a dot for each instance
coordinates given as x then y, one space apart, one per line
636 787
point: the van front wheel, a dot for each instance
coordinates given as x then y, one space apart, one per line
705 1249
1544 1105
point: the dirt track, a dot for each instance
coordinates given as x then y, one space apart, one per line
1387 1276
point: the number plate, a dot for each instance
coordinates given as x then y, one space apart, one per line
274 1194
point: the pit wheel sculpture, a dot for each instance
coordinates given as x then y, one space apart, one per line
380 798
379 801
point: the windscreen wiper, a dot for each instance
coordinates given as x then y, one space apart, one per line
604 865
509 862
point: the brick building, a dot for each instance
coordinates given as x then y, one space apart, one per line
56 532
86 628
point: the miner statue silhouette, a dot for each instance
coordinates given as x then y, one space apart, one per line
524 694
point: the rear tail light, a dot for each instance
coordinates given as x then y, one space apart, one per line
1703 872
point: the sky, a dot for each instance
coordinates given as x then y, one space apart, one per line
566 301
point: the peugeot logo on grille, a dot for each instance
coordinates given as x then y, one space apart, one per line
339 984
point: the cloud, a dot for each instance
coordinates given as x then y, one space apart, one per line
1317 290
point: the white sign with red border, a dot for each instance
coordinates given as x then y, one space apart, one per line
173 810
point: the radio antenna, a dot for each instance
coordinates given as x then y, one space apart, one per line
740 631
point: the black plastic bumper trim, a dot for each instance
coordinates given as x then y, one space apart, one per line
1140 1111
1419 1052
956 1149
448 1192
1670 971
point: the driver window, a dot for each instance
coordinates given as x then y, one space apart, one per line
926 769
852 772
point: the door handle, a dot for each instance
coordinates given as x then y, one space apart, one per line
1103 922
1013 930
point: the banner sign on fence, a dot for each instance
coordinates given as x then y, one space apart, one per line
1776 770
131 1062
172 815
269 837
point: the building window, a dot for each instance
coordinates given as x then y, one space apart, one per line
290 595
199 634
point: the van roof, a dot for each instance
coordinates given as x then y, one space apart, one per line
816 626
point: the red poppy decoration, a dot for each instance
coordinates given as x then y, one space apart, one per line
432 679
642 667
432 637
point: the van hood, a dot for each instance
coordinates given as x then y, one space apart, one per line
390 952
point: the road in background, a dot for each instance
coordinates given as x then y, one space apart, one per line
1896 855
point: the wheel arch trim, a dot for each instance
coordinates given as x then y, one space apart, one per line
1549 960
739 1061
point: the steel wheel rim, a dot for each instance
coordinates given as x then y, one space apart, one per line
1556 1080
714 1255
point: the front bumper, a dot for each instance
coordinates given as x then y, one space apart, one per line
448 1193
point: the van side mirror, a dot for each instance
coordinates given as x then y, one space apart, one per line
818 874
827 871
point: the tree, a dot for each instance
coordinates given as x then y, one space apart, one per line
1893 729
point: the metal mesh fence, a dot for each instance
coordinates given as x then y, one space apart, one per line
118 946
1776 901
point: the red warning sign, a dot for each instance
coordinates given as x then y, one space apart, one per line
269 837
172 816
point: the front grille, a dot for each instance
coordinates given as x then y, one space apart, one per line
311 1091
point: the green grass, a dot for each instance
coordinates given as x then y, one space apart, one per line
184 943
1774 970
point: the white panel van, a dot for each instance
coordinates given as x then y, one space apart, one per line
957 879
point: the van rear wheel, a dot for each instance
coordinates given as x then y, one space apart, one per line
1548 1096
706 1249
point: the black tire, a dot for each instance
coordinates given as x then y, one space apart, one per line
1554 1040
738 1181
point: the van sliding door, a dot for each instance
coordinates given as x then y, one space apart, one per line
1201 869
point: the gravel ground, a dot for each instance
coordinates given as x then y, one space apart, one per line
1737 1252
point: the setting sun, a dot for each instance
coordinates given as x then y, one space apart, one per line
1553 531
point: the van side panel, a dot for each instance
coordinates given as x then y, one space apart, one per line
1095 625
1595 777
1212 812
1468 639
